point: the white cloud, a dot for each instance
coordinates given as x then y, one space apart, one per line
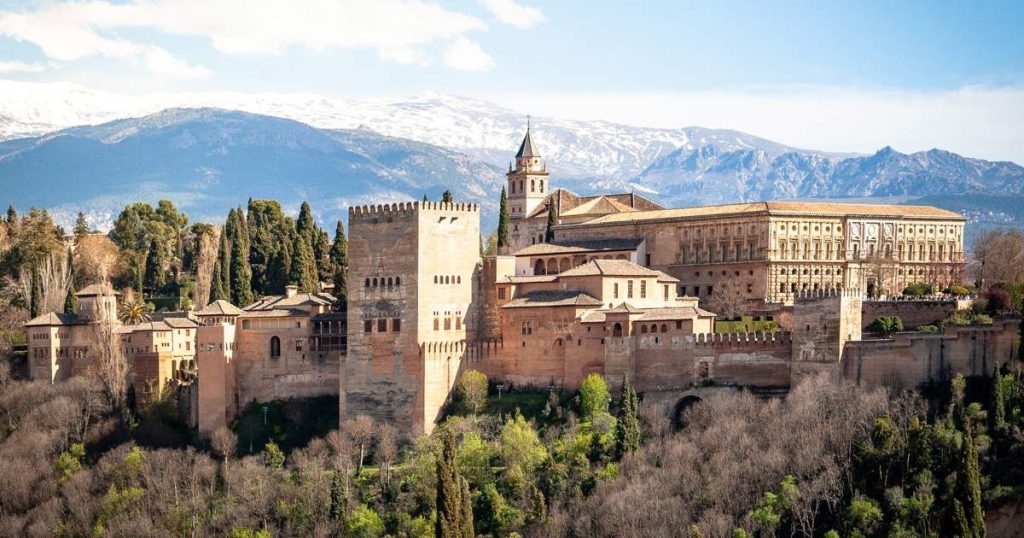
400 30
514 13
977 121
467 55
21 67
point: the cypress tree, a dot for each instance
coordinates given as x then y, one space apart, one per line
969 478
225 265
446 197
36 300
71 300
305 226
241 274
503 221
627 438
154 275
425 199
998 403
303 270
322 250
339 257
337 497
278 269
454 513
549 232
216 286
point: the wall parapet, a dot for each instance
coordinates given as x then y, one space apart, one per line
409 208
757 338
829 293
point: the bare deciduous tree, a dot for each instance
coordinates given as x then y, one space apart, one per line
360 430
727 300
206 256
387 450
55 274
109 363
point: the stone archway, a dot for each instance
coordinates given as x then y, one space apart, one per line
538 267
679 412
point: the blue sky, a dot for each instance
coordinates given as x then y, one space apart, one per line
745 65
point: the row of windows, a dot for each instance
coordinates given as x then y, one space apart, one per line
382 325
629 289
533 186
807 271
376 282
275 346
715 253
447 279
724 231
448 323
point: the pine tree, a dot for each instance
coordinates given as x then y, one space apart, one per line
36 300
446 197
549 232
627 438
503 221
81 226
12 219
425 199
241 274
454 513
969 486
998 403
303 271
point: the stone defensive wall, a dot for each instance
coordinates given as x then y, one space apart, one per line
472 351
912 359
914 312
757 359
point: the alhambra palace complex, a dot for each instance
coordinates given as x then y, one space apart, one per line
622 290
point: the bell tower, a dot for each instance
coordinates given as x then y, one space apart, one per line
527 188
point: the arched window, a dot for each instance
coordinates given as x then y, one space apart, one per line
643 329
617 329
521 186
398 281
446 281
275 347
390 282
435 279
538 267
367 282
512 189
375 282
664 328
458 279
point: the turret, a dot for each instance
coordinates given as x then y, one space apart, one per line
528 181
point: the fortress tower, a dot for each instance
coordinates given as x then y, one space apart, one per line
824 321
413 272
527 189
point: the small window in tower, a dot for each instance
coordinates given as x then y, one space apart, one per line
542 185
396 325
533 186
367 326
382 325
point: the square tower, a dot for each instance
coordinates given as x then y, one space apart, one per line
412 293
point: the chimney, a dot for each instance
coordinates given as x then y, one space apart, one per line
290 290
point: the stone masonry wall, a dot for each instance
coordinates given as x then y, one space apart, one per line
913 313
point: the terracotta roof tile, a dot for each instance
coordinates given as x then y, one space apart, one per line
569 247
549 298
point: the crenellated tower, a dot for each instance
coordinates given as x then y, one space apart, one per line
527 189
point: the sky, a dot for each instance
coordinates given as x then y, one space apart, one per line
829 75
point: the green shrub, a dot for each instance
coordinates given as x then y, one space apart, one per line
918 289
928 329
886 324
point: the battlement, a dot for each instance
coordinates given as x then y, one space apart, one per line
805 295
407 209
757 338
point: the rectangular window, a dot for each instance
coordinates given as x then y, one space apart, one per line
629 289
501 293
711 289
666 292
437 324
447 324
458 323
368 326
696 291
382 325
643 289
679 324
396 325
615 290
298 344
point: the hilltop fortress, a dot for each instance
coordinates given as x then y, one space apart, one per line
610 284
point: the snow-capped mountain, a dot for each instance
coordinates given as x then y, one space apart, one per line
577 149
337 151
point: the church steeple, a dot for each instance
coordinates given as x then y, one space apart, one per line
527 189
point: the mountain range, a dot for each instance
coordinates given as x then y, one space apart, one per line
212 151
